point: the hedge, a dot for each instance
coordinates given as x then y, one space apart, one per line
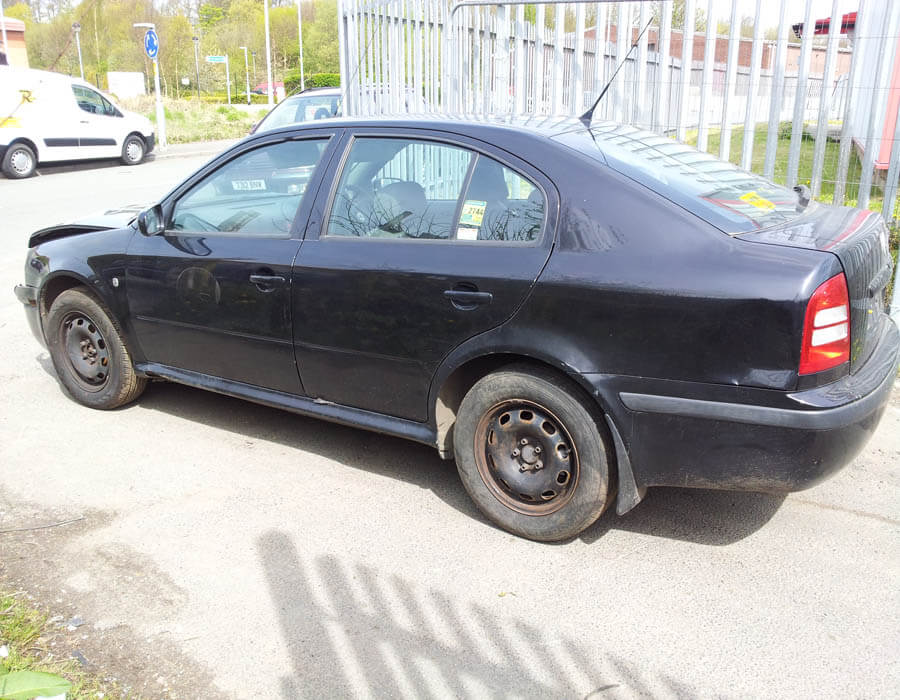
315 80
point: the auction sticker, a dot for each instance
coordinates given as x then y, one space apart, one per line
472 212
755 200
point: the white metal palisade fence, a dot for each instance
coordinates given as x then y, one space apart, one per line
401 56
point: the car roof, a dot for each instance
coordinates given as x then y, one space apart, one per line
479 126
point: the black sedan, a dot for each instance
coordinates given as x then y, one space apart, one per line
574 313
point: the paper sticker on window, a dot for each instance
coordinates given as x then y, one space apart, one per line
248 185
755 200
472 212
467 234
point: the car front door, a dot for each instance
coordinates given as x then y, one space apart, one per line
211 294
100 125
423 242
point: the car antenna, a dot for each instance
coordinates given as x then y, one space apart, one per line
588 116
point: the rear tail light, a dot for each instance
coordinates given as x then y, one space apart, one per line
826 330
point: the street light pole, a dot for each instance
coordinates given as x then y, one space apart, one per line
246 73
300 34
160 113
268 55
77 29
196 40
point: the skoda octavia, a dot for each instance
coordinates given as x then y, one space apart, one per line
574 313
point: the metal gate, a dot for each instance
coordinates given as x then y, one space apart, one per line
820 109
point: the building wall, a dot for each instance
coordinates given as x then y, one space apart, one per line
16 54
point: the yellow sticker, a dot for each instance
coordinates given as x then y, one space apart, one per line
10 123
755 200
472 212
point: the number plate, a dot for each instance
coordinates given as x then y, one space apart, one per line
247 185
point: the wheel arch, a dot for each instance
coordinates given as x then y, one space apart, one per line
28 142
58 283
454 382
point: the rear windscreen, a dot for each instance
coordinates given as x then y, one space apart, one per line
718 192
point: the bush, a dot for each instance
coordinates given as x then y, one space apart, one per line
324 80
315 80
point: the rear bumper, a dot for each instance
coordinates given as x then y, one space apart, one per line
807 437
150 142
29 297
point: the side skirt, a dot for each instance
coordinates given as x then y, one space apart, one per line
315 408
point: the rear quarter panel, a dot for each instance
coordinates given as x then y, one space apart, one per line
637 286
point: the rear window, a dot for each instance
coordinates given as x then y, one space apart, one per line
718 192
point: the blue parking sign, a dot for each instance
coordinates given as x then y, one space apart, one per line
151 43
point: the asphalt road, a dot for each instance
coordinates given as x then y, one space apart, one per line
224 549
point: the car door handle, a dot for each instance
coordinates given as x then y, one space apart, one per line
267 283
467 299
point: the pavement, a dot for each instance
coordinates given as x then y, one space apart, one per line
215 548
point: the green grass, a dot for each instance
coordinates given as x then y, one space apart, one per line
28 636
191 120
804 173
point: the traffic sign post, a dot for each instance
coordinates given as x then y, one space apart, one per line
151 48
223 59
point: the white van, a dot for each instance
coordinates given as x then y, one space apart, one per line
49 117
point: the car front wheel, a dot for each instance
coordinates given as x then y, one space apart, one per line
19 161
532 454
88 352
133 150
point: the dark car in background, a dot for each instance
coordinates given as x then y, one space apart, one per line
574 313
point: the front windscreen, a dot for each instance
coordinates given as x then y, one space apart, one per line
718 192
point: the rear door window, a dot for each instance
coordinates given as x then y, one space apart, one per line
404 188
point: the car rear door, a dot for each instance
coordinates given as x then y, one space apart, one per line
212 293
424 240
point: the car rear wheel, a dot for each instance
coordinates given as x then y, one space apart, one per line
88 352
133 150
532 454
19 161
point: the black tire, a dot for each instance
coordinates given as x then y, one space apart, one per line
133 150
555 481
88 352
19 161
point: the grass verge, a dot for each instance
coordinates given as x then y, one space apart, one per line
30 644
192 120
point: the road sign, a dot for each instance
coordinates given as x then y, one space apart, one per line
151 44
215 59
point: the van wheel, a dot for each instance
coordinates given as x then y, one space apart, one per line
19 161
532 454
133 150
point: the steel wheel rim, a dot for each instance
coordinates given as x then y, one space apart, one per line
133 150
21 161
86 351
526 457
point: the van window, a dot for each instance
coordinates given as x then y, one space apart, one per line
93 102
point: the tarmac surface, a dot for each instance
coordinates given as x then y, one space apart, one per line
215 548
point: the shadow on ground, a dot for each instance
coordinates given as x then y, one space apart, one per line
699 516
352 631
